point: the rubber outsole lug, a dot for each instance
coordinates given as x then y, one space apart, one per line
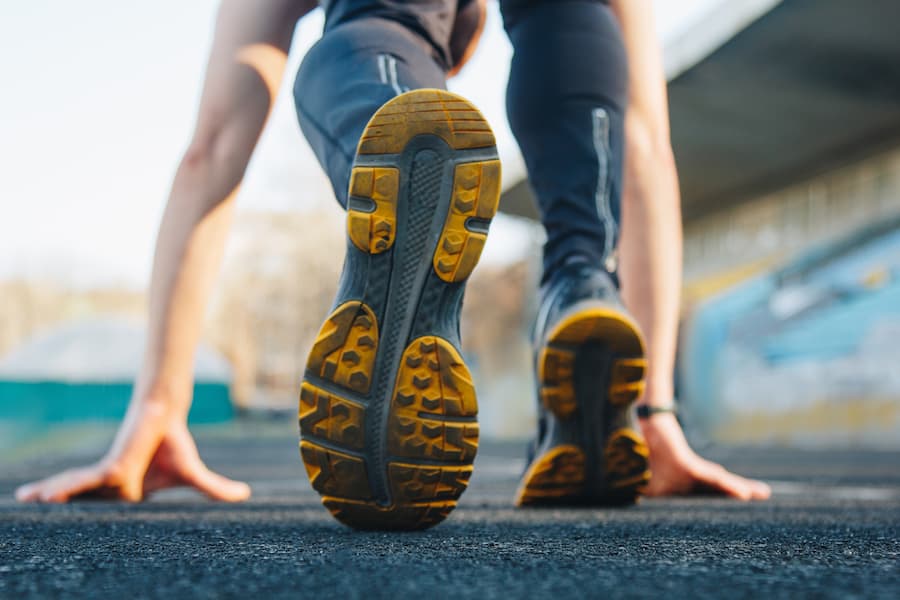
374 230
344 350
425 112
476 192
554 476
433 383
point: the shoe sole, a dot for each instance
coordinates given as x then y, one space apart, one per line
387 408
591 369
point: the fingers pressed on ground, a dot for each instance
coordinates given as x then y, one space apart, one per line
761 490
750 488
719 478
63 486
154 481
27 492
218 487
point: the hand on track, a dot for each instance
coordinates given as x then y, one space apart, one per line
174 463
677 470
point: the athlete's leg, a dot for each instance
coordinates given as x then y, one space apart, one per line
349 74
566 100
387 407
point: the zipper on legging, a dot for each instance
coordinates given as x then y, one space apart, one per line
601 195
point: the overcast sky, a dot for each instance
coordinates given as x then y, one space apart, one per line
98 102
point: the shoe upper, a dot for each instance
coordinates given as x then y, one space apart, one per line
575 282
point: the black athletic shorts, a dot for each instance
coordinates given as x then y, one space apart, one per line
447 26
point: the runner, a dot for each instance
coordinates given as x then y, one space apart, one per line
387 409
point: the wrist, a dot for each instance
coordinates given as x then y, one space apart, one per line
163 399
658 393
148 419
658 428
648 411
658 424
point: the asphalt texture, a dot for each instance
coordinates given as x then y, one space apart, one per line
831 530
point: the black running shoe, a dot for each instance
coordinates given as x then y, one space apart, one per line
590 369
387 408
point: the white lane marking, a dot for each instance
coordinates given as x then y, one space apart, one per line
834 492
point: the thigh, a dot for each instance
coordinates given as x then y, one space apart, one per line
566 99
466 32
574 47
354 69
431 20
512 10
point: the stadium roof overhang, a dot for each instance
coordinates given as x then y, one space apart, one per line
764 93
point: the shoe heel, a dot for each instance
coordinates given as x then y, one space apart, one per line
590 471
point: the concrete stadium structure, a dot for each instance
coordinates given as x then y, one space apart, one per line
786 129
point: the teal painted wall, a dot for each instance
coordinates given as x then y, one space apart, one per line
41 404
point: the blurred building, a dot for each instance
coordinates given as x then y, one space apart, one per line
30 307
70 354
786 129
84 371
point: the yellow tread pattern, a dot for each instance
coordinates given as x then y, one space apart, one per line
626 460
412 483
627 381
426 111
556 372
432 417
369 516
344 350
330 417
557 474
433 383
556 360
335 473
476 193
374 232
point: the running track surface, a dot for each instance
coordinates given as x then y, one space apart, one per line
831 530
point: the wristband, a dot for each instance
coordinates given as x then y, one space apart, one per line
645 411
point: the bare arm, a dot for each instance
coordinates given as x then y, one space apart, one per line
243 76
651 204
153 448
651 250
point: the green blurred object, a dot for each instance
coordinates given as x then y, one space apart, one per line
34 408
83 372
55 402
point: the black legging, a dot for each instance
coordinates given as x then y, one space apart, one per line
565 99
